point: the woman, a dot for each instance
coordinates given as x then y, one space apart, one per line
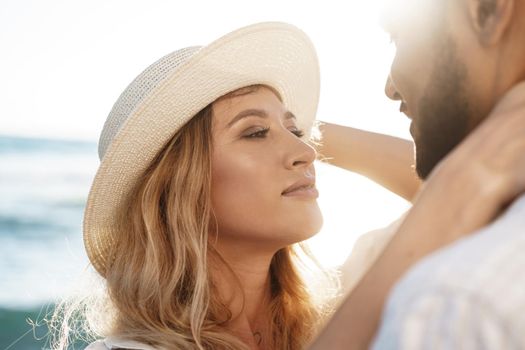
206 183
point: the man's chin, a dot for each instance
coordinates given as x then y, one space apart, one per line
426 161
422 170
434 144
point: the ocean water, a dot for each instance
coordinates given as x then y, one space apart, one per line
43 188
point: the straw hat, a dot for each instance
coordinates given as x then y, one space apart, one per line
173 90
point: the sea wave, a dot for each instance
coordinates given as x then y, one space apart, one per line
20 145
43 189
31 227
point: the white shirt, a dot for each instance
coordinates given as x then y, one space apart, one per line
470 295
118 343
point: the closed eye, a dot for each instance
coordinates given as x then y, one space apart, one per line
297 132
258 134
262 133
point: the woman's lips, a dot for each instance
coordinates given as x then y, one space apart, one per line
304 188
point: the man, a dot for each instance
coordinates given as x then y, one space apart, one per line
455 61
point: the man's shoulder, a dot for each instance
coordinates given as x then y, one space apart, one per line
469 295
489 264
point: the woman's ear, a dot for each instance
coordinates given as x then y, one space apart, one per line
490 19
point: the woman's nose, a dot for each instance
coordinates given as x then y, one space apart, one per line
300 155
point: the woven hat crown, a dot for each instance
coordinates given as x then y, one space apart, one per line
137 90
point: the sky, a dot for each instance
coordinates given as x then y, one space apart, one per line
65 62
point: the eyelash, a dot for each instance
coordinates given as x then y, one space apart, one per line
262 133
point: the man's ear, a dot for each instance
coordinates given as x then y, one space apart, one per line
490 19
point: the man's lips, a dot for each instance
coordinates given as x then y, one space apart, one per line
403 108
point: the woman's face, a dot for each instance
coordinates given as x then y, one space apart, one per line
263 177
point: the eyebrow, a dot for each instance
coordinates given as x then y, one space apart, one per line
256 113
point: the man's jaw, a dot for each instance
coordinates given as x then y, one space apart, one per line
403 108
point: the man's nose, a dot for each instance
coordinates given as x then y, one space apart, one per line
390 90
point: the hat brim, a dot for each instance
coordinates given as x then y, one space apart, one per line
275 54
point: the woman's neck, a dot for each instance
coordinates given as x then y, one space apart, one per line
247 292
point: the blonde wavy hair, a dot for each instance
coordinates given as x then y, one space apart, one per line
159 287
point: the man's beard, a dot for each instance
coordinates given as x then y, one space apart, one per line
443 116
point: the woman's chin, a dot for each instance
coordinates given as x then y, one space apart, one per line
308 228
316 225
